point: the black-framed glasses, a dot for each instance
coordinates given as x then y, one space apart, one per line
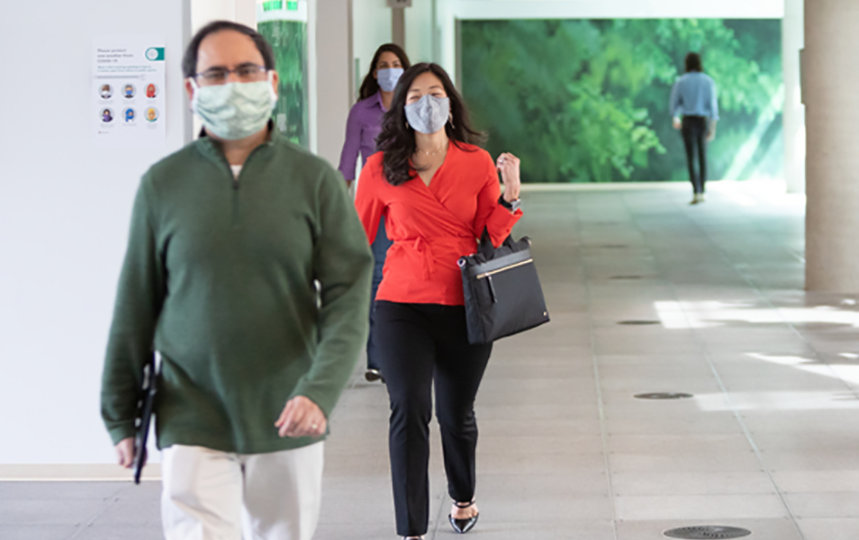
220 75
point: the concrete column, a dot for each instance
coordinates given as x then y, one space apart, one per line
332 65
830 82
398 26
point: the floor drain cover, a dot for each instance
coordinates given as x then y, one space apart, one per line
670 395
707 531
638 322
625 277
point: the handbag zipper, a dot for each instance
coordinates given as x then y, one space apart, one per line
493 272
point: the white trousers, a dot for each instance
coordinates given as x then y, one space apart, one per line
213 495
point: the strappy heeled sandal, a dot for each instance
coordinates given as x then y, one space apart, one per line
462 526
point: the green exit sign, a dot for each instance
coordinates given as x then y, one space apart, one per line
273 5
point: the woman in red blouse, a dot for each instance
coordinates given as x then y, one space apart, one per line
436 192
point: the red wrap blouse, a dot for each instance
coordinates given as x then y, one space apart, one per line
432 226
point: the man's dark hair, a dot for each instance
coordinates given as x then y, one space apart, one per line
370 85
189 59
397 139
693 62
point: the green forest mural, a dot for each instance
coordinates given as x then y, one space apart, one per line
587 100
289 41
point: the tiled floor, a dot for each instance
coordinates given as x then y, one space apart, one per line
767 442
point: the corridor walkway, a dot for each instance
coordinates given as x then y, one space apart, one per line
647 295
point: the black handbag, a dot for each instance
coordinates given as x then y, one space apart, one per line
502 291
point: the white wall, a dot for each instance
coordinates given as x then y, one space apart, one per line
371 27
419 31
64 214
793 40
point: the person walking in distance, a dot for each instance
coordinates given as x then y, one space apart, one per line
362 127
695 111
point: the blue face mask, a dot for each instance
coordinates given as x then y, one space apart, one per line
388 78
234 110
429 114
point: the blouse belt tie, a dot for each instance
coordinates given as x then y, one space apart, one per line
423 248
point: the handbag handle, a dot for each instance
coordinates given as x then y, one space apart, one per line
485 247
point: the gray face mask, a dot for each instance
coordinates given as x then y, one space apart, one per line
429 114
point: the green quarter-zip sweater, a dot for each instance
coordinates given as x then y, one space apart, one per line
220 278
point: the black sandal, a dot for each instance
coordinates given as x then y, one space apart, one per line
462 526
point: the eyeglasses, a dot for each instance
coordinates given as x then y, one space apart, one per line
244 72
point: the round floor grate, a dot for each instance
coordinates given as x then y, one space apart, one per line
706 532
665 395
638 322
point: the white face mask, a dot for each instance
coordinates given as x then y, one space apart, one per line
388 77
429 114
234 110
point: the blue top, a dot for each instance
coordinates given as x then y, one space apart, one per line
694 94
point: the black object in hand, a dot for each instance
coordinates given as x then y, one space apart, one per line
143 417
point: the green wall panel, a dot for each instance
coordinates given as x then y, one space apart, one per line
289 41
587 100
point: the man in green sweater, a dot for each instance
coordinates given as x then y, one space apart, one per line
248 272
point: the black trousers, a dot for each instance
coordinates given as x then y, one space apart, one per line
418 345
694 132
379 248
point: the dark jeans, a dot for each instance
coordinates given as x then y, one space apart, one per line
694 131
418 345
380 251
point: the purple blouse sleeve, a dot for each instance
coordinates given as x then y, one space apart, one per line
349 154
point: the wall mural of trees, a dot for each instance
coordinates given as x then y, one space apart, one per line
289 42
587 100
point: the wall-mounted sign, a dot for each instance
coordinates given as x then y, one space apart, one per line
281 10
128 91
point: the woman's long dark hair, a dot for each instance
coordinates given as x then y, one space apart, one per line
370 85
397 139
693 62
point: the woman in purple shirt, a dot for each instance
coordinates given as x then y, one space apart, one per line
362 128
